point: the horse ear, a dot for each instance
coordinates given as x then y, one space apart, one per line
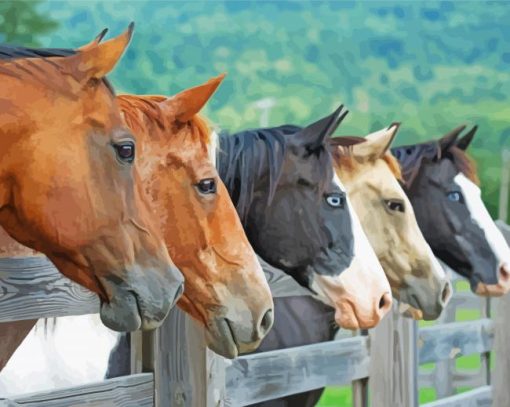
94 42
449 139
466 140
376 144
95 61
189 102
314 135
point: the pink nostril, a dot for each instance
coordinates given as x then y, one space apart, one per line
385 302
504 273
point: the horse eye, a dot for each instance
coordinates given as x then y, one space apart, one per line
395 206
335 200
455 196
207 186
125 151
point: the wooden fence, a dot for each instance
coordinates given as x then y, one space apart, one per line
172 367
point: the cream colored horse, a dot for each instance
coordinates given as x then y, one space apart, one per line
371 176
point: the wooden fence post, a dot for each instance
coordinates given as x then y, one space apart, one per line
394 362
501 372
360 387
186 373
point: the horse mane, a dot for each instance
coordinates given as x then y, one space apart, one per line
412 157
13 53
242 158
151 109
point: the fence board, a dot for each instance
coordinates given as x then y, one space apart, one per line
481 397
32 288
268 375
128 391
501 373
394 362
455 339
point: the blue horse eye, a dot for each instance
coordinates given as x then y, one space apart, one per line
335 200
455 196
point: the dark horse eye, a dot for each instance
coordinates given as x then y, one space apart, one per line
207 186
125 151
455 196
396 206
335 200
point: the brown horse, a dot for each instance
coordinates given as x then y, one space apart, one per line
68 184
225 287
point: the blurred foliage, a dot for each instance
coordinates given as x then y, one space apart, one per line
22 23
431 65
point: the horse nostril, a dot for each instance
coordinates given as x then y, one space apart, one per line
266 322
385 302
445 294
504 274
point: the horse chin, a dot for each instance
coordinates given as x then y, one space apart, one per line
121 314
220 339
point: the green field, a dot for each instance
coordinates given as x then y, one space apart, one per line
342 396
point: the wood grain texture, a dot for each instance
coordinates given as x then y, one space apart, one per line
455 339
128 391
32 288
394 362
186 373
501 372
268 375
480 397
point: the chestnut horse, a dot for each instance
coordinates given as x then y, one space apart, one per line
225 287
68 184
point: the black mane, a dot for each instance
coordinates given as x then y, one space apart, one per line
243 158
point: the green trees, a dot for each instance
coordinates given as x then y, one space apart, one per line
431 65
21 22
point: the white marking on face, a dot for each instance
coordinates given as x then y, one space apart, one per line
480 215
211 148
364 254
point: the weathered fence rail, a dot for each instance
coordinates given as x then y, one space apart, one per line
180 371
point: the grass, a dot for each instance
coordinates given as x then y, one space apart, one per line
342 396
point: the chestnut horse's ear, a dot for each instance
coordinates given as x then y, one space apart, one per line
466 140
94 42
377 143
95 61
189 102
449 139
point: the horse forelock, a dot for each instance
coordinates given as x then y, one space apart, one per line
412 157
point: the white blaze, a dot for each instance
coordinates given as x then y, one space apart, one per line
482 218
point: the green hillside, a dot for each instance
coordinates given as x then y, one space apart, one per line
431 65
